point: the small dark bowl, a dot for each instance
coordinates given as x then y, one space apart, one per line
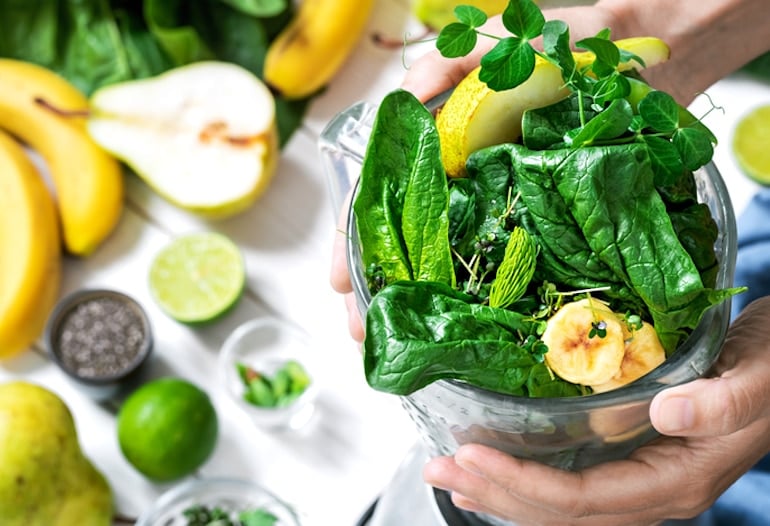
100 338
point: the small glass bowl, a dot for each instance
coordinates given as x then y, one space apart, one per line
100 338
265 344
231 495
570 433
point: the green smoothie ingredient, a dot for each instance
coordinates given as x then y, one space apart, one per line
205 516
280 389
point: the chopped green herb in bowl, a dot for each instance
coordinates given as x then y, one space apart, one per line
202 515
278 389
267 369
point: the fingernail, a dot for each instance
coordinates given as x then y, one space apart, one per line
675 414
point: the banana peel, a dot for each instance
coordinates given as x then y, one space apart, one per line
30 250
309 51
87 179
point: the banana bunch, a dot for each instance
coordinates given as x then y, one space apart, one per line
30 265
589 344
88 181
312 48
88 199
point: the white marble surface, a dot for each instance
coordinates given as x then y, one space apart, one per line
331 472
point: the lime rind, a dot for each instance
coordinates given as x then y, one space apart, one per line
751 144
198 277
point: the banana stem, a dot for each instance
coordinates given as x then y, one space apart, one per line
40 101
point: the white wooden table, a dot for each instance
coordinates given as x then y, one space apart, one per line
331 473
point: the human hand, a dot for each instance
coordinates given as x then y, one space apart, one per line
715 429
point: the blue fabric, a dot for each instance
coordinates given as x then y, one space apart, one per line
747 502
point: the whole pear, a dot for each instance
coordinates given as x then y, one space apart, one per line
45 479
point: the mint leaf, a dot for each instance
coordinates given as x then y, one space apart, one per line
508 64
524 19
456 40
258 517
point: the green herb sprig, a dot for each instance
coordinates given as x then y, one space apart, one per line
279 390
200 515
675 139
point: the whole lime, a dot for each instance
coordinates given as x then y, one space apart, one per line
167 428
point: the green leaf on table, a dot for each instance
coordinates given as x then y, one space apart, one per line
258 517
259 8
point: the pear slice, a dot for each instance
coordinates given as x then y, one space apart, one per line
476 116
203 136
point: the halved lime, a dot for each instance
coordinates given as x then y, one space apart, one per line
751 144
197 277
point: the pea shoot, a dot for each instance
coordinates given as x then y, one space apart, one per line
609 114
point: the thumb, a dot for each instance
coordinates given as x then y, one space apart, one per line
738 394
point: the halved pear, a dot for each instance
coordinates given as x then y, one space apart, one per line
476 116
203 136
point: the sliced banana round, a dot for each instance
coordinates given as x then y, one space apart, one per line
643 353
585 342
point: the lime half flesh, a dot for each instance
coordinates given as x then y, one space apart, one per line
197 277
751 144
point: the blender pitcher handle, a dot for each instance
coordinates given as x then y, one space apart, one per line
342 145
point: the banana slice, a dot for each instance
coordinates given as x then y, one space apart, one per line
643 353
585 342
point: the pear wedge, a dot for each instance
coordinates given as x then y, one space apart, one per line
476 116
203 136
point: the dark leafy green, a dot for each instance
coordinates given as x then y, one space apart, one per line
402 204
602 184
94 43
434 332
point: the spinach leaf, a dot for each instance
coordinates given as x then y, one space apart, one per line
610 192
418 332
402 203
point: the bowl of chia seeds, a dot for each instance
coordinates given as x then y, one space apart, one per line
100 338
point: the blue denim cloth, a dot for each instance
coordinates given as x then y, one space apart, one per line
747 502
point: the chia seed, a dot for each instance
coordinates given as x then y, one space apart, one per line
100 338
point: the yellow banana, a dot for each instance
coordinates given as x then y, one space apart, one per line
88 181
585 342
30 249
312 48
643 353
